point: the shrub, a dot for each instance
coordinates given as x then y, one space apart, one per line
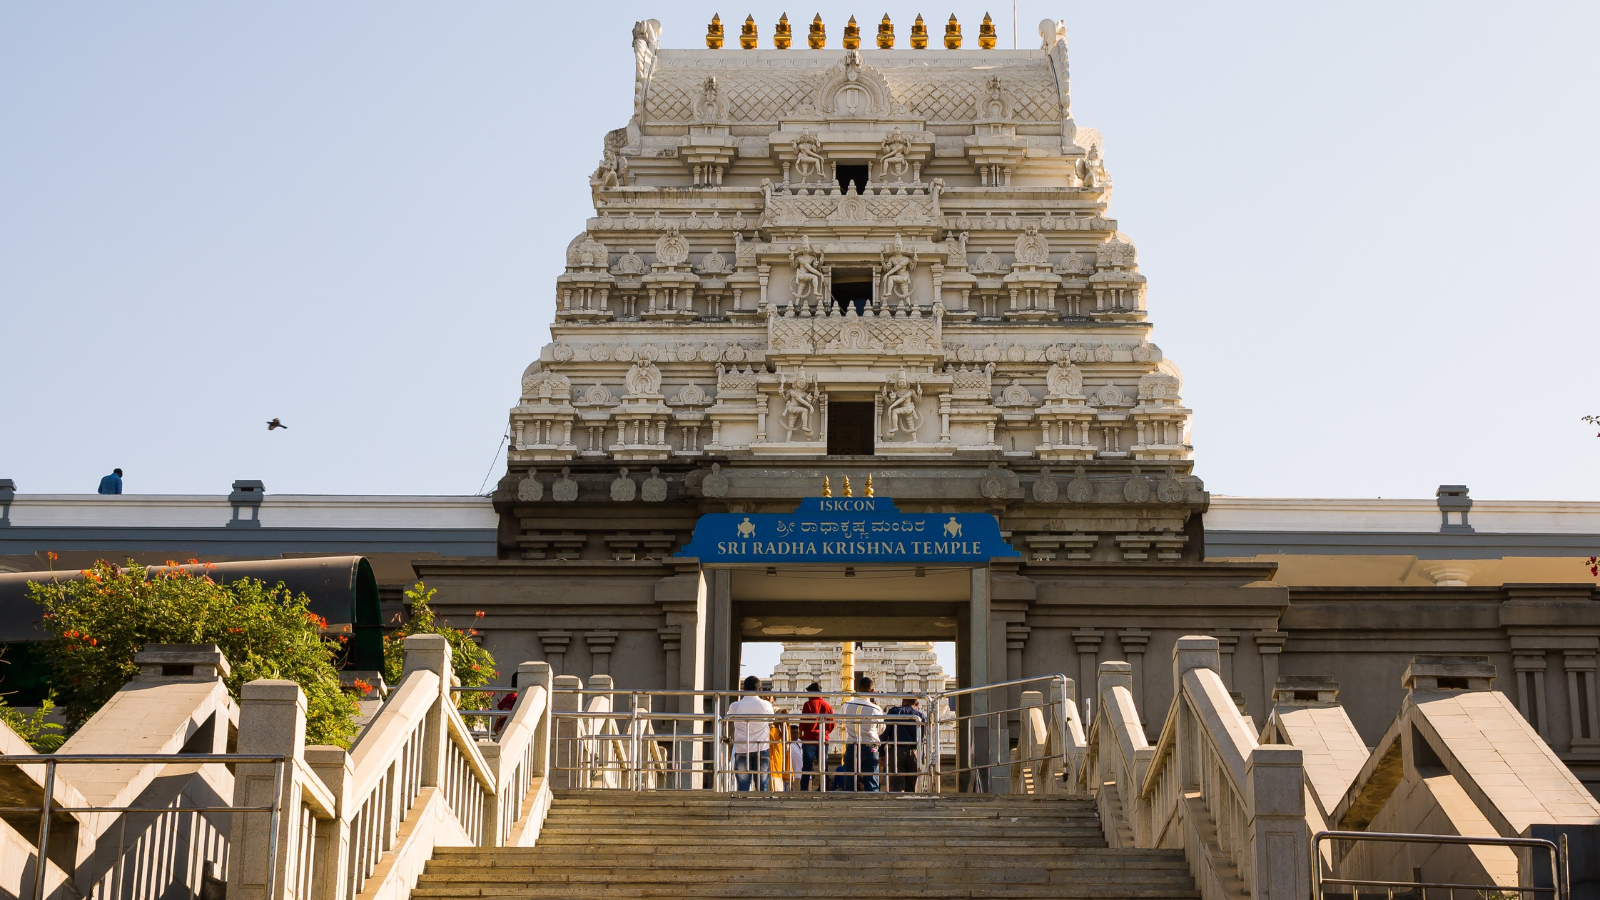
101 621
45 737
472 664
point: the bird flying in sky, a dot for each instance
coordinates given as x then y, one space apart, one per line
275 424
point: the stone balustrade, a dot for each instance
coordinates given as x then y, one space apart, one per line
1234 807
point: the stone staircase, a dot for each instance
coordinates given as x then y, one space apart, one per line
614 844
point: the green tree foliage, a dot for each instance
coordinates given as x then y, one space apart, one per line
102 620
472 664
45 737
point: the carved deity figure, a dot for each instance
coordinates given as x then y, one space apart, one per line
807 270
900 404
897 269
1092 169
893 157
799 402
807 155
613 171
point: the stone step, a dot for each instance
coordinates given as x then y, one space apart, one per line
699 795
820 814
573 858
828 831
1085 858
823 887
757 841
635 800
908 873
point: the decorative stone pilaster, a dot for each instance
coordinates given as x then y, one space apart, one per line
600 645
1227 644
1529 666
554 645
1087 641
1133 643
671 645
1582 709
1269 644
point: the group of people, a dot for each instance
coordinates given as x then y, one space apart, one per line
774 749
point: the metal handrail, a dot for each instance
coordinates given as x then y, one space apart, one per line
50 761
714 765
1559 861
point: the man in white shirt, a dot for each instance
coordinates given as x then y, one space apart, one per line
751 718
862 721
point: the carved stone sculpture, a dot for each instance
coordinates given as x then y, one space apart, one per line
892 155
1079 490
655 487
1045 490
993 484
807 274
565 490
799 404
897 269
529 490
715 485
623 489
808 160
1137 488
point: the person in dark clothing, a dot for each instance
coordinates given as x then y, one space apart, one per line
902 739
112 484
814 739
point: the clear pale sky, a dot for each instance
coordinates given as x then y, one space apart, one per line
1369 230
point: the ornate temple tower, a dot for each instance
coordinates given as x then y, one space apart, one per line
831 262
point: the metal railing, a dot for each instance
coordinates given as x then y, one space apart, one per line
702 740
49 808
1561 888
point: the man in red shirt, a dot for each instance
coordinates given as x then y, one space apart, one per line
813 740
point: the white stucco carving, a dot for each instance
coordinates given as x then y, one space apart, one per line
927 233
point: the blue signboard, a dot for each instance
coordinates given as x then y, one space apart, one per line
847 530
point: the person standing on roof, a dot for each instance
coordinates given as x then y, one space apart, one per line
112 484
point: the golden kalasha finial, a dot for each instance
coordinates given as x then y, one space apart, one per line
886 34
869 485
952 34
714 33
852 35
847 487
819 35
781 36
986 33
747 35
919 34
827 489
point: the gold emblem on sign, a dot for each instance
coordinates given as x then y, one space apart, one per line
746 529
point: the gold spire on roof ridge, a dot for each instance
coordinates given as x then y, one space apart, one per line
919 34
986 36
869 484
885 33
827 489
747 35
952 34
819 35
852 35
847 487
714 33
782 36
